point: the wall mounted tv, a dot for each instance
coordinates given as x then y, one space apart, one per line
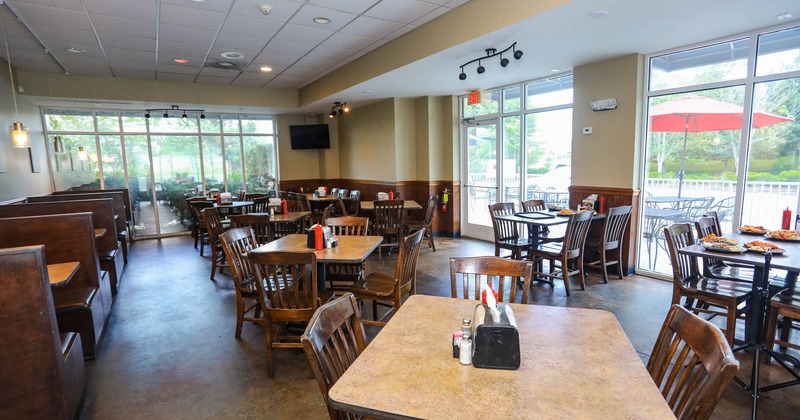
313 136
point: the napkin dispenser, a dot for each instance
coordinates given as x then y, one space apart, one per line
326 233
495 340
225 198
382 196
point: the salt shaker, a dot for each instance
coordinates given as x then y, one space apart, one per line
465 354
466 326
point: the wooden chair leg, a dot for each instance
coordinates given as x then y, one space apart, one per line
730 326
270 366
603 266
374 309
213 261
239 314
564 275
580 272
769 332
433 245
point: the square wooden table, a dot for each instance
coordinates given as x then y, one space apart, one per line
575 363
407 205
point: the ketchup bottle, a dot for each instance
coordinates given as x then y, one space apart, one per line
284 206
318 238
601 204
391 195
787 219
219 201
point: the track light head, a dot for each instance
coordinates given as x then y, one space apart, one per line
166 115
338 108
462 76
332 114
517 54
481 69
147 115
184 117
202 116
504 62
346 108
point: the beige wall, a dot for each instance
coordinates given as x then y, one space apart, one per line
367 144
423 134
16 178
609 157
405 142
295 164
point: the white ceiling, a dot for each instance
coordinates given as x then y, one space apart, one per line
140 38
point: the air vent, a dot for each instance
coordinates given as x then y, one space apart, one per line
226 65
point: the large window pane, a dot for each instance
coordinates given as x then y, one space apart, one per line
63 120
212 164
257 124
773 170
173 124
68 168
230 124
481 173
778 52
233 164
259 155
511 99
511 157
547 93
134 123
138 162
548 153
211 124
108 122
113 166
714 63
176 168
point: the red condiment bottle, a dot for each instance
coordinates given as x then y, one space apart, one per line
219 201
318 237
787 219
391 195
284 206
601 204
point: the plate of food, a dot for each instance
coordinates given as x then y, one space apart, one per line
565 213
761 247
723 247
714 238
753 230
784 235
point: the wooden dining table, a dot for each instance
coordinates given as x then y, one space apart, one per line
407 205
61 273
350 250
575 363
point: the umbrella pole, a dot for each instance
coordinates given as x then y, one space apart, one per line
683 158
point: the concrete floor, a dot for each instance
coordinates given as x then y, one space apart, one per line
170 352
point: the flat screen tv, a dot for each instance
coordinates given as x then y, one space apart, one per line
310 136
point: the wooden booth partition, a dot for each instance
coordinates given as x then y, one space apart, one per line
126 198
613 197
67 238
42 366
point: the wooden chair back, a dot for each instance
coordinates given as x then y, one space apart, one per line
349 225
195 207
294 205
714 215
339 209
503 229
679 235
260 205
405 271
614 227
433 200
692 364
213 222
288 281
534 205
352 206
332 341
236 243
708 226
259 223
126 198
342 193
575 234
253 196
388 216
470 274
117 197
355 194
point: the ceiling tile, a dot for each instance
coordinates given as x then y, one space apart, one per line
121 63
371 27
305 17
175 77
455 3
303 34
127 42
309 62
131 9
352 6
400 32
89 50
13 27
300 71
117 54
118 25
282 10
248 82
280 46
94 67
251 26
289 82
76 36
182 48
255 69
40 15
45 66
23 43
405 11
238 42
213 80
188 16
24 54
135 74
170 67
249 55
185 34
329 53
214 5
253 72
276 59
437 2
213 71
430 16
348 41
60 4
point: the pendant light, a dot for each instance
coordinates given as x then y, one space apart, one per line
19 135
58 145
82 153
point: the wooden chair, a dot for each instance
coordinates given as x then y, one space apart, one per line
718 269
426 223
613 229
235 243
341 276
692 364
389 289
355 194
570 249
389 223
342 193
260 205
334 192
287 285
339 209
199 231
786 305
259 223
504 274
712 296
282 229
353 203
506 234
214 227
332 341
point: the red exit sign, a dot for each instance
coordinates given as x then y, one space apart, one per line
474 97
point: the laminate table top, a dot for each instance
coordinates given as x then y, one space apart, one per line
61 273
351 249
575 363
99 233
292 216
407 205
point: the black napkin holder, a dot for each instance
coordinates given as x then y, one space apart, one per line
495 343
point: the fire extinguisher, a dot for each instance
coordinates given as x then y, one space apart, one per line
445 200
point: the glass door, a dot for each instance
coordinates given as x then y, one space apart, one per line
482 178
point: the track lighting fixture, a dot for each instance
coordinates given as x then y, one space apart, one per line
491 53
338 108
175 110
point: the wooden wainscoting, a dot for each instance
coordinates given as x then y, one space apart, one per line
614 197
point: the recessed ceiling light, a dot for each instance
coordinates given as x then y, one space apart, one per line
232 55
180 60
598 14
322 20
198 1
784 16
555 70
75 50
366 91
224 64
266 68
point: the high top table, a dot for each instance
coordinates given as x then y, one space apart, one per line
575 363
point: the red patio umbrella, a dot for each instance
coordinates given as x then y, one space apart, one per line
696 114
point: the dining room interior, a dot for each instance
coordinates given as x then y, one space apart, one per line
248 210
